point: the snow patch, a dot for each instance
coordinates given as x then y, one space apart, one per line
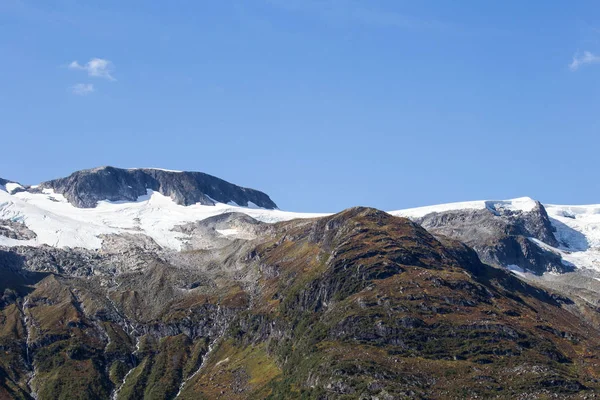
515 269
10 187
252 205
228 232
524 204
157 169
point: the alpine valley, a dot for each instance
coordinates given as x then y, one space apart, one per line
156 284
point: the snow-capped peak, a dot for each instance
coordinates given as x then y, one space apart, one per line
154 201
524 204
156 169
57 222
84 189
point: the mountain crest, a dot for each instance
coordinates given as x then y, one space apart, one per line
85 188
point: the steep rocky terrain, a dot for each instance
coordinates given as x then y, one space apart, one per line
78 211
359 304
154 284
85 188
501 236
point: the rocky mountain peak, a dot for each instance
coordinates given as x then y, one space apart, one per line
85 188
502 235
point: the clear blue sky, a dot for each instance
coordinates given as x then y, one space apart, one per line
322 104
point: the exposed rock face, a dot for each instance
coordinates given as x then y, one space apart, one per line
15 230
359 304
85 188
500 236
220 230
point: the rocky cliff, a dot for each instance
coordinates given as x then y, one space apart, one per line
85 188
501 236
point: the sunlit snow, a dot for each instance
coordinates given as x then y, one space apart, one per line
525 204
11 187
58 223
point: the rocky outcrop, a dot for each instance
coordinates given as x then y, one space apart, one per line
501 236
85 188
218 231
15 230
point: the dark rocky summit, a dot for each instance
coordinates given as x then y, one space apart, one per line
501 237
85 188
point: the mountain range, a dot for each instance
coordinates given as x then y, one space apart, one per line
149 283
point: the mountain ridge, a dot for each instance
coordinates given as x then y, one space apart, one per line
358 304
85 188
82 209
146 297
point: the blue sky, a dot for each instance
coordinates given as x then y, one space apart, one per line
323 104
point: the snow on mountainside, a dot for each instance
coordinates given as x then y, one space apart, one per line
521 204
41 215
84 189
58 223
577 228
8 186
578 232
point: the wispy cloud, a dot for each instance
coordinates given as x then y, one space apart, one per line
349 11
96 67
584 58
82 89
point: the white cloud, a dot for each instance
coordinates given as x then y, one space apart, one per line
96 67
580 59
82 89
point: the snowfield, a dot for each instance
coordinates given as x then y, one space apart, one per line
578 232
58 223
